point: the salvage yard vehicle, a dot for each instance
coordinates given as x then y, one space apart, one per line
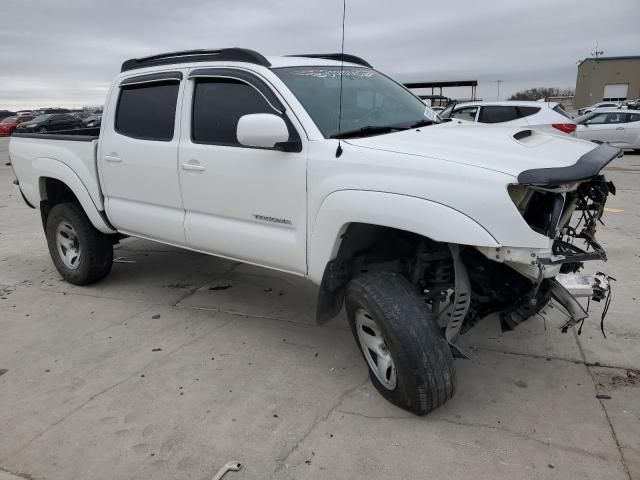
545 116
322 167
620 128
50 122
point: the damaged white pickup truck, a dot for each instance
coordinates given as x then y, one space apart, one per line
320 166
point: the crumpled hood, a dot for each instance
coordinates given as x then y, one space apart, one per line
485 146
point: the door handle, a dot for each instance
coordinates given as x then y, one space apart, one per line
620 128
113 158
193 167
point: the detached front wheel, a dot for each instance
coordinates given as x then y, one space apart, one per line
409 361
80 253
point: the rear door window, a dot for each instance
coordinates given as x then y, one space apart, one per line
498 114
633 117
147 111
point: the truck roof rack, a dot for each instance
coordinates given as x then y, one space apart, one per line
344 57
223 54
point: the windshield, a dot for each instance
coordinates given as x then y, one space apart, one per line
9 120
370 100
40 118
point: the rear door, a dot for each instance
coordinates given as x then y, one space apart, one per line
138 157
243 203
632 130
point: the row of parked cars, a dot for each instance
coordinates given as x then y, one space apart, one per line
46 120
606 122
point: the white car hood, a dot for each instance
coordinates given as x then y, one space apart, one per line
483 146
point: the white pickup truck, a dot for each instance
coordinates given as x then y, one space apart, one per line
322 167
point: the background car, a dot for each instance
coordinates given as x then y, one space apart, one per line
597 106
546 116
7 113
620 128
92 121
50 123
9 124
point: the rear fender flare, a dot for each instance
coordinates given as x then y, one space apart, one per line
51 168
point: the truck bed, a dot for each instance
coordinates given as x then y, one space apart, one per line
37 155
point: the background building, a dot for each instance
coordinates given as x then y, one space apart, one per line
607 78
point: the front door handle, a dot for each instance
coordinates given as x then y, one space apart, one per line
193 167
620 128
113 158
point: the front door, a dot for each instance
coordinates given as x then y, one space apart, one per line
139 158
605 127
240 202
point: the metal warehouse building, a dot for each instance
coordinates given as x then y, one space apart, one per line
607 78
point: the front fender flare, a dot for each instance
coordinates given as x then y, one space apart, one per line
51 168
412 214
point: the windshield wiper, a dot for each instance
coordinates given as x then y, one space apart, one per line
368 130
422 123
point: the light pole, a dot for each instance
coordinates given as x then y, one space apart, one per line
498 82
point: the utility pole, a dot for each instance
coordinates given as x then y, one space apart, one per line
498 82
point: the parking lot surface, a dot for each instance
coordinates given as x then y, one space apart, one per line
178 363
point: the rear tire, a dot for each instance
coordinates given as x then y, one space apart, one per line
80 253
421 375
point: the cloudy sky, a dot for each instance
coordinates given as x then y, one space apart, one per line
66 52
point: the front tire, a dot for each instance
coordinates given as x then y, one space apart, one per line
409 361
80 253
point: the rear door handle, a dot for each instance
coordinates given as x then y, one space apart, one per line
193 167
620 128
113 158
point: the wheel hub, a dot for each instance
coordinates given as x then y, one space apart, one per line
68 245
375 349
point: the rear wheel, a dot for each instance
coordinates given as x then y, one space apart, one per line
80 253
409 360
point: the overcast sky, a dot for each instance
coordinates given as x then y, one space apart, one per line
66 52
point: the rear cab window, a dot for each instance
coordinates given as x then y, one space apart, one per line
147 110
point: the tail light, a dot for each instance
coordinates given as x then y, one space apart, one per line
565 127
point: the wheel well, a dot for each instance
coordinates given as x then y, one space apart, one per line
53 192
363 248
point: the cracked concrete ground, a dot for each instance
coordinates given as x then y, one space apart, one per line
178 363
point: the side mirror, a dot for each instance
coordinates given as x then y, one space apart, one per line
263 130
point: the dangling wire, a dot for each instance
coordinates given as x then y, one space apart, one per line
344 14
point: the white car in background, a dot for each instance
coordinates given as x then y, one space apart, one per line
545 116
597 106
620 128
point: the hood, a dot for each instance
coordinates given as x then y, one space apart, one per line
509 150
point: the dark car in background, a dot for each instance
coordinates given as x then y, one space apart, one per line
50 123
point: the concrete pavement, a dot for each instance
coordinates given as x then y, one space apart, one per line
178 363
